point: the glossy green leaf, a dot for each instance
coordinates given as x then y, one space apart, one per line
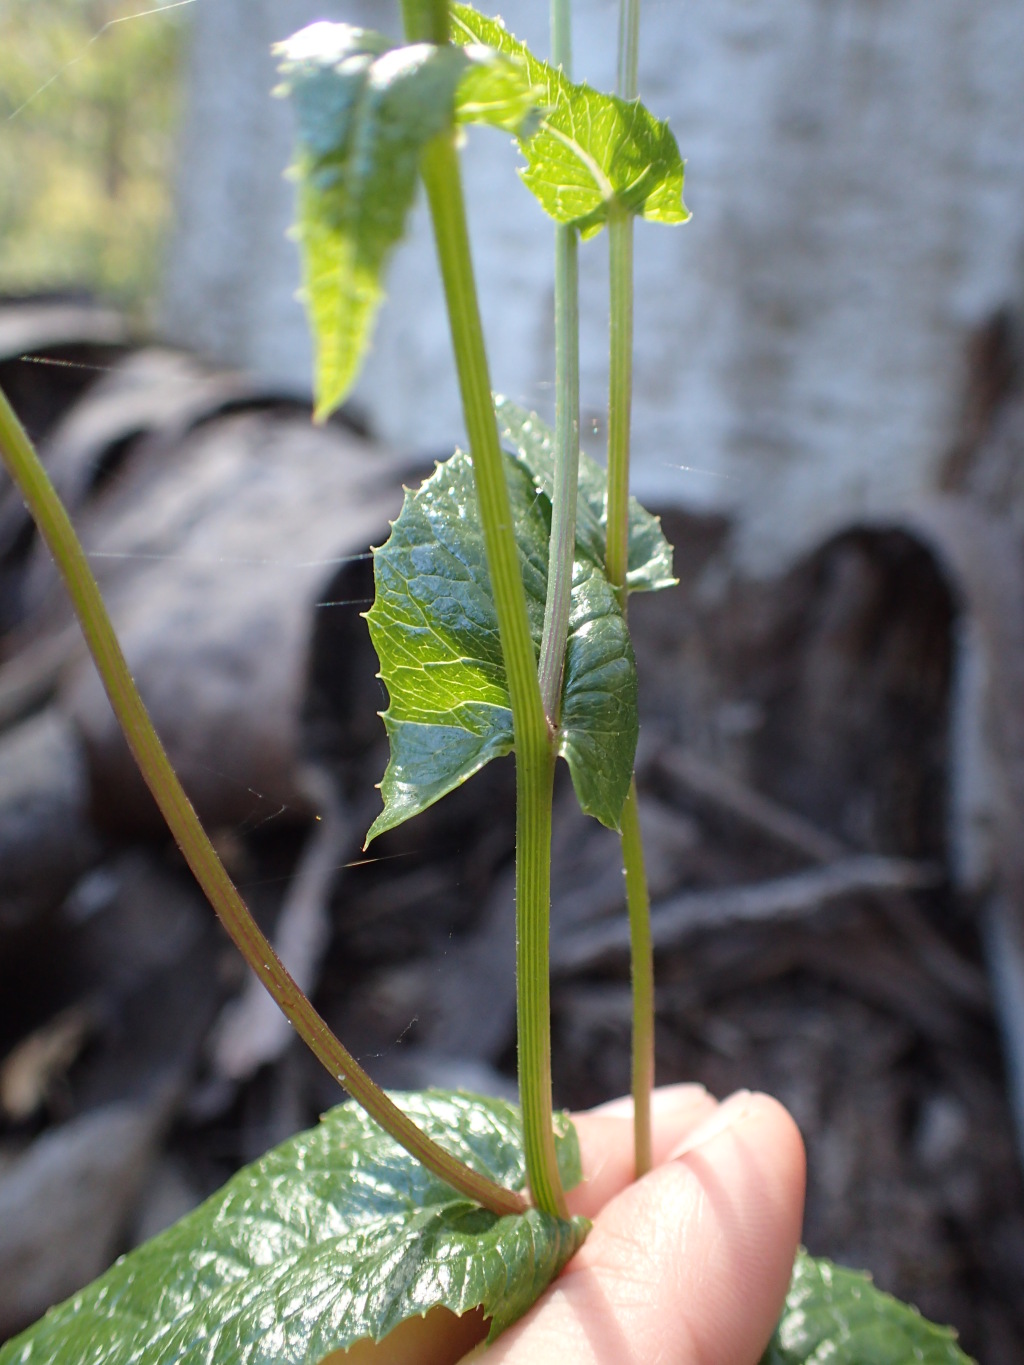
531 440
435 629
837 1316
365 110
592 150
335 1236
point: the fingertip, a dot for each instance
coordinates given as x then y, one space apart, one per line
763 1125
605 1136
690 1263
749 1163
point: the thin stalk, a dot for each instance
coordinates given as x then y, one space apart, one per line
620 396
629 49
440 170
620 381
425 21
620 386
561 35
55 527
562 542
642 973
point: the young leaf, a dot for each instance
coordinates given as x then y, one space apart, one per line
650 554
365 111
838 1315
495 89
335 1236
591 150
435 630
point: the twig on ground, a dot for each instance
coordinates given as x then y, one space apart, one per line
720 789
783 898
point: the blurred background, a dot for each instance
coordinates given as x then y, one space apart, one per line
90 107
829 415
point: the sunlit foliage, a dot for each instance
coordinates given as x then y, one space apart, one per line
88 103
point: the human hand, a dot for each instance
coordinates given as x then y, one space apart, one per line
690 1264
687 1266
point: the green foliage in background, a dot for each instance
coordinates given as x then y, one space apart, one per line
87 113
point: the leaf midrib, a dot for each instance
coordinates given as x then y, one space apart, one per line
603 184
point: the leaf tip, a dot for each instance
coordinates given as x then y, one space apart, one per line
324 405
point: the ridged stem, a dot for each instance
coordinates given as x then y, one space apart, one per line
440 171
535 780
55 527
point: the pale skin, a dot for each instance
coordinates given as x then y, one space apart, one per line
687 1266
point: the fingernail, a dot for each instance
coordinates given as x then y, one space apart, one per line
728 1113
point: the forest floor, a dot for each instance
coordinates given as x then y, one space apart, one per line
797 782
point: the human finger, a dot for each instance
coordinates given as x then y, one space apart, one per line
687 1265
606 1150
606 1141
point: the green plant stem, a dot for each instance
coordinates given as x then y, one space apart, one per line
641 953
561 35
617 560
620 396
534 794
620 380
55 527
629 49
533 748
620 385
425 21
562 542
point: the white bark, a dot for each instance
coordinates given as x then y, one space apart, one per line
232 273
856 172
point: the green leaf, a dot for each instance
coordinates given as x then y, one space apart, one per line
592 150
529 438
435 630
495 89
335 1236
838 1316
365 111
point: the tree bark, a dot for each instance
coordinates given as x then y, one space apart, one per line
856 173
